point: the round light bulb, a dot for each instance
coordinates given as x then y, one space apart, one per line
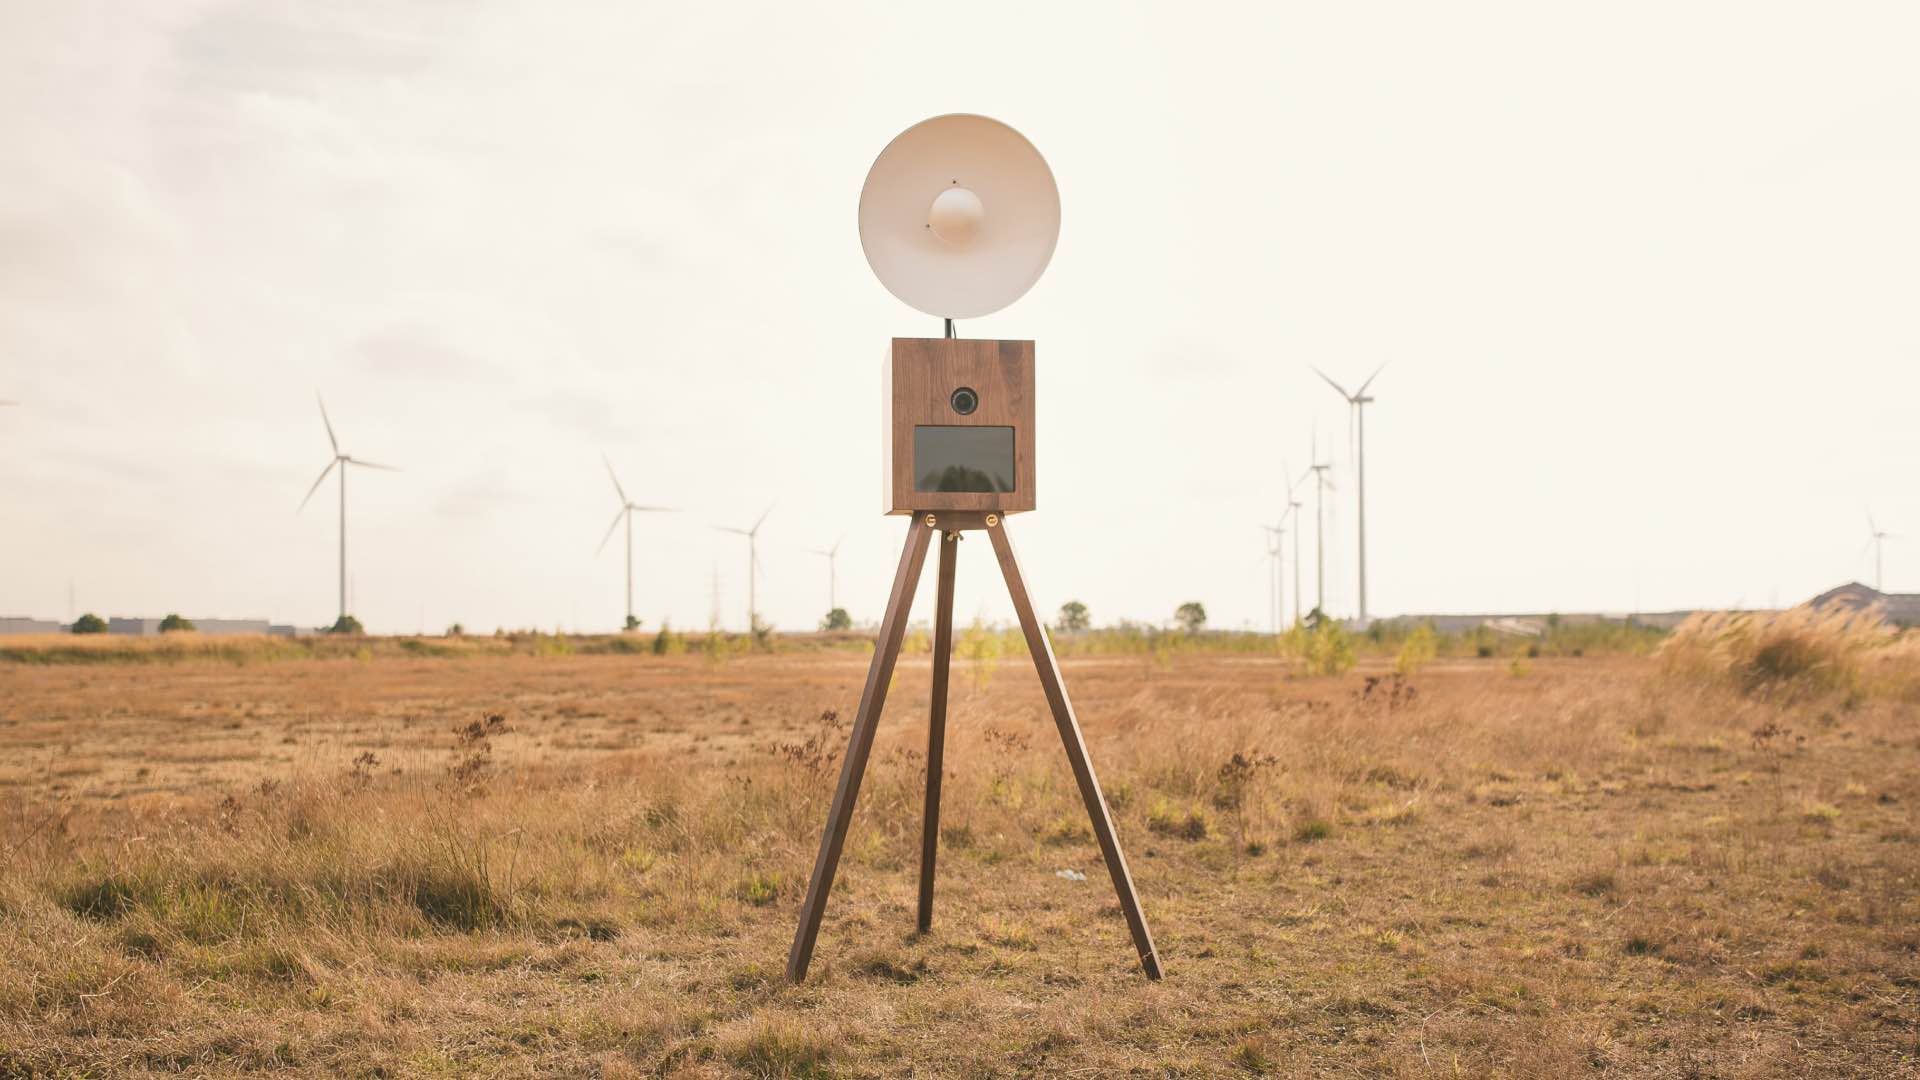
955 215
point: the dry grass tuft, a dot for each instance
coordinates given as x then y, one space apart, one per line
1796 653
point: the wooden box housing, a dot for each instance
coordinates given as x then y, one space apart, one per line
922 375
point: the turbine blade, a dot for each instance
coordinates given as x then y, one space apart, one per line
763 518
622 492
329 423
1341 390
316 484
1362 392
654 509
373 465
610 528
731 529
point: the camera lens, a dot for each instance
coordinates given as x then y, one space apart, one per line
964 400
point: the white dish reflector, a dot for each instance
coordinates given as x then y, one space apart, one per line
959 216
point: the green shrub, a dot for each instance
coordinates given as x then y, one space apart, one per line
983 646
668 643
1329 649
1073 617
89 624
1417 651
174 623
1192 616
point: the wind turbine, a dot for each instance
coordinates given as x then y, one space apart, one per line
1879 535
832 556
753 565
627 509
1276 569
1293 507
343 461
1320 488
1358 402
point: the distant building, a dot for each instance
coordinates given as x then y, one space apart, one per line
1534 624
1901 609
143 627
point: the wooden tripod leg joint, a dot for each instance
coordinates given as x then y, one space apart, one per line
893 627
1076 747
937 725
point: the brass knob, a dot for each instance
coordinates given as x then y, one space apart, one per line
992 520
931 523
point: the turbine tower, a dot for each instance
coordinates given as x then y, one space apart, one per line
1358 402
1878 535
753 565
343 461
1321 486
1293 507
832 555
627 509
1276 572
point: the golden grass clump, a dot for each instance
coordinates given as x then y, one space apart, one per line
1795 653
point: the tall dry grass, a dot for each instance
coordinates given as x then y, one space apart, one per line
1364 875
1794 653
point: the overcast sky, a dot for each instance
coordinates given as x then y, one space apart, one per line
1648 276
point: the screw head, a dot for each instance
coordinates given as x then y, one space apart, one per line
931 523
992 520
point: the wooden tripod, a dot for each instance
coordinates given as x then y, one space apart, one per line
949 524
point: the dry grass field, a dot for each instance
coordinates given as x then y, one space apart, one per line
525 865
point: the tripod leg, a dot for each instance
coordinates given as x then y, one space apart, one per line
886 650
937 725
1069 726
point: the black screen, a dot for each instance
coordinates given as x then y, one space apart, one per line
963 459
